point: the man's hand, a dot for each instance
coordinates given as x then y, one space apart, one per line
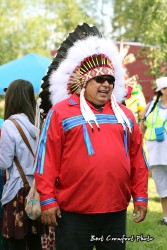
142 213
49 216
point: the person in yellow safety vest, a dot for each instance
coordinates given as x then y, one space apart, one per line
135 99
154 128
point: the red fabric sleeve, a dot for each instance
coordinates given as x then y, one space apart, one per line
45 183
139 170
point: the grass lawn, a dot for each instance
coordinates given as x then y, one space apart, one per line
148 227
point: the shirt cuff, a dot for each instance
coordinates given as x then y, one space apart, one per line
140 201
48 203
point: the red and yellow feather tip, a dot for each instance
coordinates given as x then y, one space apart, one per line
82 72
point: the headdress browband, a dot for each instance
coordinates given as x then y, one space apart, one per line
92 66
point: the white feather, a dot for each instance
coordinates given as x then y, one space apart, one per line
37 118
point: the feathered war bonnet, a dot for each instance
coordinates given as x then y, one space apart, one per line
83 55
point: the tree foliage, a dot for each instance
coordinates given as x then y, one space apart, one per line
144 21
40 25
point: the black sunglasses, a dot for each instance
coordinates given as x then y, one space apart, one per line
102 79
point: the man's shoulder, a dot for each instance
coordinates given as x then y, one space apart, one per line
70 101
66 108
60 104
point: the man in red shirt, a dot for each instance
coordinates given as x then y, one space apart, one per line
89 161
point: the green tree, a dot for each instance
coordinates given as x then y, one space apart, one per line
23 29
144 21
70 14
39 25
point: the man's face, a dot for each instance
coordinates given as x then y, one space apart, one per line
98 90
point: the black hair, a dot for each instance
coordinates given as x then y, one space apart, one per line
159 94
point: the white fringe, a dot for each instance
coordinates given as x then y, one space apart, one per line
37 118
86 110
120 115
90 116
